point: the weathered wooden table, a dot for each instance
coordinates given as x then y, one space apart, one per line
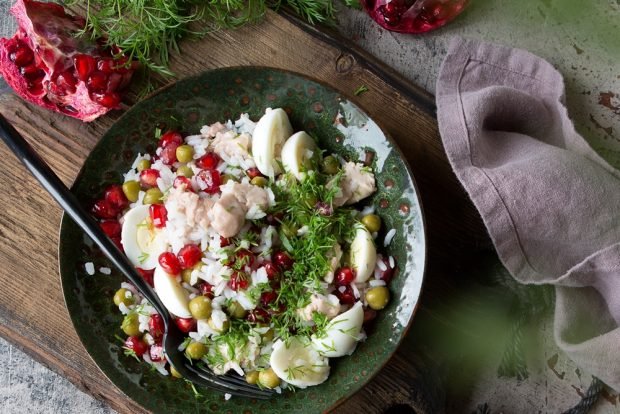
462 306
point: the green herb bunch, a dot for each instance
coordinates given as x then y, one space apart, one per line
147 30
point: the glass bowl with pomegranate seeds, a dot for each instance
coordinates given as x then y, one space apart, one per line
250 235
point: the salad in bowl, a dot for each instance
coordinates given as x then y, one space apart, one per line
256 240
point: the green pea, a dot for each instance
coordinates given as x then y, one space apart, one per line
200 307
175 373
289 229
268 336
131 190
196 350
131 325
226 178
330 165
259 181
185 153
153 196
268 378
185 171
372 222
377 297
144 165
251 377
121 297
310 200
221 330
236 310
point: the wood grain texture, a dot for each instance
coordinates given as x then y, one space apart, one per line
32 312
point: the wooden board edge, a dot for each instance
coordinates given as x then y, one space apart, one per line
325 34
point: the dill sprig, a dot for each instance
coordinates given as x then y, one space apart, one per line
310 250
149 30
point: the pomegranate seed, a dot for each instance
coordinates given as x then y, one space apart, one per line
106 65
156 326
209 181
273 273
97 81
253 172
108 99
111 228
115 196
267 298
324 209
184 182
369 315
147 275
238 281
277 310
159 215
148 177
169 262
224 241
156 352
206 289
209 161
22 56
66 81
244 258
104 209
117 242
170 137
114 82
283 260
84 65
344 276
169 154
258 316
36 87
186 325
136 344
189 255
387 274
31 72
346 297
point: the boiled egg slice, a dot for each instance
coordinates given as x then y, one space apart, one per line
363 254
297 153
267 140
341 334
174 297
298 363
142 242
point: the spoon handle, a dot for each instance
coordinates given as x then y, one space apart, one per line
72 207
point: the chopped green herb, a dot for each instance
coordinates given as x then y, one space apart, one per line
143 257
360 90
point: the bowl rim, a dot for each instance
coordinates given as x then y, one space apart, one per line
363 382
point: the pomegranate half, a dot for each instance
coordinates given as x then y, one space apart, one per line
48 65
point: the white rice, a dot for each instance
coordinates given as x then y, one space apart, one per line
381 265
388 237
374 283
105 270
90 268
392 262
227 396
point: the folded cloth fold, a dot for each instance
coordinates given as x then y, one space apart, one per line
551 204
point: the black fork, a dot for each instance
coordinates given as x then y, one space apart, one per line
173 337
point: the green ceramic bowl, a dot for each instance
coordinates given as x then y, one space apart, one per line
214 96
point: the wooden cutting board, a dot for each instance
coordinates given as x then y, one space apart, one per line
32 311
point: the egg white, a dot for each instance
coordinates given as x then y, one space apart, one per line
142 242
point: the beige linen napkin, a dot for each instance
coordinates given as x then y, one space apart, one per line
550 203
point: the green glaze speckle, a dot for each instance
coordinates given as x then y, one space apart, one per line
216 96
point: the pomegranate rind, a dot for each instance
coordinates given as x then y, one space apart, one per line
78 104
